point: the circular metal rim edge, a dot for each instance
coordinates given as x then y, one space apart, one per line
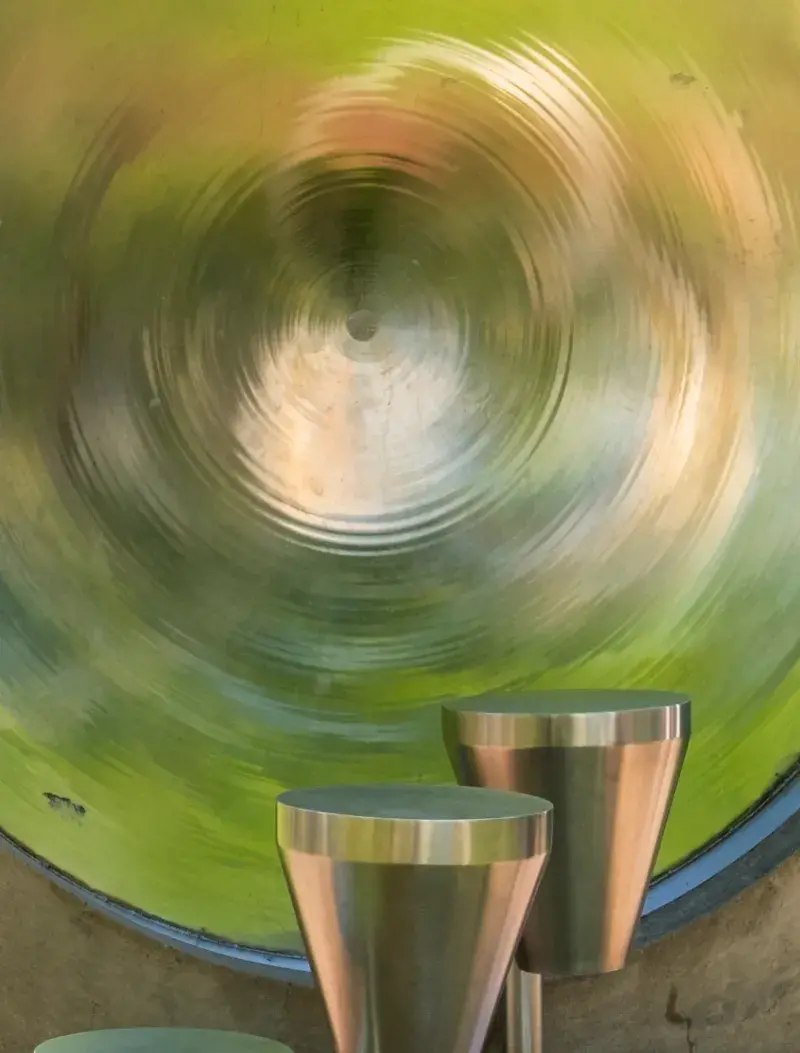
765 836
759 841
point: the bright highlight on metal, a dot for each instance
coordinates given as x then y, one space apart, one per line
411 899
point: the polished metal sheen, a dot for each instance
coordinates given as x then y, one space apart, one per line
411 899
609 761
360 354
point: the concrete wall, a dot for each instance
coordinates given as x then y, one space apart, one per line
726 984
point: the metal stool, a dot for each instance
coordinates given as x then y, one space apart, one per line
609 761
411 899
161 1040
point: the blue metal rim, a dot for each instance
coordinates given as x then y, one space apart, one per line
758 842
749 849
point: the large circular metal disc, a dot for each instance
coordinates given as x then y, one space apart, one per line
361 354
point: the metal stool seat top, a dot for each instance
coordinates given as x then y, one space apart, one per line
161 1040
414 823
567 718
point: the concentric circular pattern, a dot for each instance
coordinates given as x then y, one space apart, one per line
335 383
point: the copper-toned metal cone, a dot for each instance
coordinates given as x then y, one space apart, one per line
609 761
411 899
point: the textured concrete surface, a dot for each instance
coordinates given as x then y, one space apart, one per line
726 984
729 983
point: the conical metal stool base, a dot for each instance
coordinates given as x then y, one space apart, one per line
161 1040
411 900
609 761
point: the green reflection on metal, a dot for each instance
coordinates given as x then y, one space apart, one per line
146 726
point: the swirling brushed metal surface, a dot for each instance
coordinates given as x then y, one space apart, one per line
357 355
